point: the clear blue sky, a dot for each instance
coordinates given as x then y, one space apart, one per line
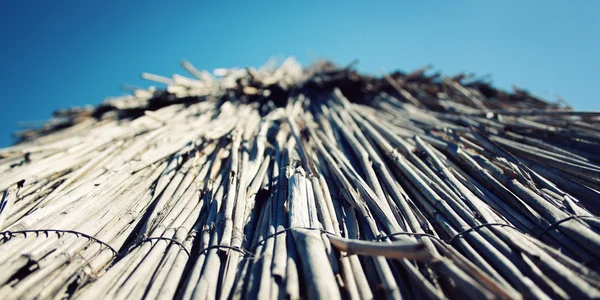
58 53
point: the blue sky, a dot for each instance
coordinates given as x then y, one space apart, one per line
58 54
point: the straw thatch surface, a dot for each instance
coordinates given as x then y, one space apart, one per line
283 183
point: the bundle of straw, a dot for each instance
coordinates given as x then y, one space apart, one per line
319 183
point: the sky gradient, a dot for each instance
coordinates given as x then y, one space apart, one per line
58 54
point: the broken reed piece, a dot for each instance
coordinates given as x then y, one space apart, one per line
396 250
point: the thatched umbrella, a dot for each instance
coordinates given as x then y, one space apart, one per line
319 183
